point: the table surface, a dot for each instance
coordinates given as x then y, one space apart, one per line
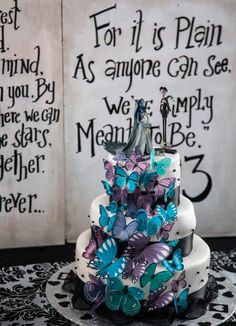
24 273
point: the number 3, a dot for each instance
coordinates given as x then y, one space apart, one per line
208 187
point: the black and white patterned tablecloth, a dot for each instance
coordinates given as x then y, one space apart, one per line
23 299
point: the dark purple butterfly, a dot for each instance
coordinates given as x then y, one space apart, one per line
90 250
94 291
146 202
179 283
139 250
119 195
132 199
159 299
163 232
110 170
134 270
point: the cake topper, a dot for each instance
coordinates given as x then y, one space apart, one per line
140 135
165 109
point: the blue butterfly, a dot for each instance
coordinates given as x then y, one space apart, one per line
107 187
146 177
120 297
105 219
155 280
121 230
123 179
104 260
177 262
169 214
161 165
170 192
145 223
113 207
181 302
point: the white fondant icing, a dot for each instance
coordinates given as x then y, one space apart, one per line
196 265
184 225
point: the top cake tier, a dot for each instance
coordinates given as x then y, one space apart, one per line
157 175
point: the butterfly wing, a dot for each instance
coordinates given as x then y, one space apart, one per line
154 253
111 223
164 231
181 302
121 177
179 283
107 187
90 250
128 231
138 271
141 166
136 244
114 269
130 164
105 254
147 275
161 301
142 219
153 225
171 211
130 305
94 291
104 217
113 300
159 279
177 260
168 265
119 225
109 170
162 165
132 181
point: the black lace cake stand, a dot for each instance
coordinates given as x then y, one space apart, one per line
219 310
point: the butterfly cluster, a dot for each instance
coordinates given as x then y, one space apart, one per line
133 216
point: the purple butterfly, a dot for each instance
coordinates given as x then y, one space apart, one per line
139 250
159 299
90 250
110 170
132 199
179 283
135 164
134 270
121 230
163 232
94 291
146 202
159 186
99 234
119 195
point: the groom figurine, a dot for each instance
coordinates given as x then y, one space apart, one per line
165 109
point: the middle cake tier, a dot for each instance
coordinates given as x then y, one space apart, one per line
182 229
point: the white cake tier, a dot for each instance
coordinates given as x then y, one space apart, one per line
183 226
196 265
173 171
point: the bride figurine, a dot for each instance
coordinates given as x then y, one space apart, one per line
141 133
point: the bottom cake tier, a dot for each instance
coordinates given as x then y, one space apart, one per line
196 267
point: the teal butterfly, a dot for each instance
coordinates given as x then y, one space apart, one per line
169 214
177 262
149 224
155 280
107 187
104 261
113 207
181 302
170 192
123 179
120 297
105 219
161 165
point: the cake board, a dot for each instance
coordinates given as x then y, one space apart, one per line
219 310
